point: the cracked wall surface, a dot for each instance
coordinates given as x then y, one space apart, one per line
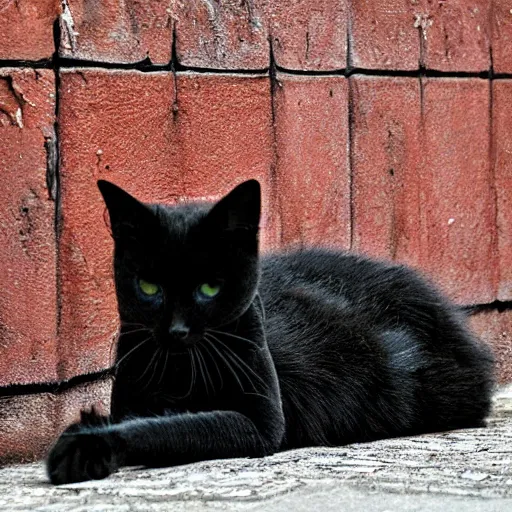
378 128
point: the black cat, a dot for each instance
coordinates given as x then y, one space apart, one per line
223 354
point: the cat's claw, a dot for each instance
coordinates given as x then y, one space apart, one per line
79 456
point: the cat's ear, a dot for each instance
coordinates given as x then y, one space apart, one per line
239 210
129 218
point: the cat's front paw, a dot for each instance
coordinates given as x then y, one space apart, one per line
82 455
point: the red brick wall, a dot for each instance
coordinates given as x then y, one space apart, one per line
384 127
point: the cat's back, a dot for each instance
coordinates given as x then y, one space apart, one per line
350 281
312 291
369 347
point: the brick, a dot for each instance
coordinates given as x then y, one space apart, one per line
384 35
386 167
495 328
308 35
312 174
443 35
457 195
502 150
22 439
69 403
456 35
221 35
108 31
162 141
227 35
422 181
26 29
501 36
120 137
28 300
225 137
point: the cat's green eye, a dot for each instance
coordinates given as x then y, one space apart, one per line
208 291
148 288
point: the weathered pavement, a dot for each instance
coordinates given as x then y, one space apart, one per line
457 471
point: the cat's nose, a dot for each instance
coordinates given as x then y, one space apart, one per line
179 330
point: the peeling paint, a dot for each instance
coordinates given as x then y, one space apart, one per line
230 31
12 102
218 35
19 118
424 22
67 26
4 4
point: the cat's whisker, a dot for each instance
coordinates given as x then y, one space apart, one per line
241 363
266 397
232 335
154 359
226 362
243 366
164 367
132 350
237 360
142 329
128 328
192 372
159 359
219 373
206 371
124 333
201 371
134 324
251 382
172 398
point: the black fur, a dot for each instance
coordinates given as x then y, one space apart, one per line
312 347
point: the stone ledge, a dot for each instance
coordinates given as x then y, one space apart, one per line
456 471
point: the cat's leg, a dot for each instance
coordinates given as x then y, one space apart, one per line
93 452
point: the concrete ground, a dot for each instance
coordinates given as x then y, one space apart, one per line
456 471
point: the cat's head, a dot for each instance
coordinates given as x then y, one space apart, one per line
182 269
